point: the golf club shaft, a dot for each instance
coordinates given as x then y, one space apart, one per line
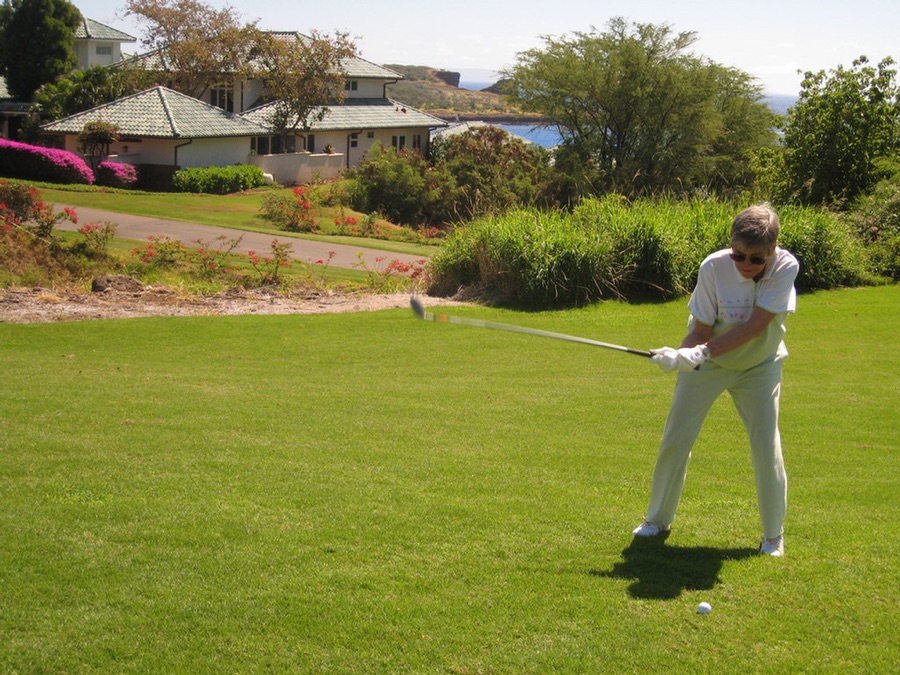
478 323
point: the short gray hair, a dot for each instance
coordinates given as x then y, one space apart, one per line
756 226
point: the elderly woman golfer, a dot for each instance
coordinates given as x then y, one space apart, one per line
734 343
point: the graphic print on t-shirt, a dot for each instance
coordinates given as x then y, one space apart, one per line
735 309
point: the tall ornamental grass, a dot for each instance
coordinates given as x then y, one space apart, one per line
658 245
876 220
527 257
830 254
611 248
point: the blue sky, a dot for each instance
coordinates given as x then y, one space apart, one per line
770 40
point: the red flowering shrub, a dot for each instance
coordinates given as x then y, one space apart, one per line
97 235
22 206
290 213
160 252
396 276
33 162
17 201
268 269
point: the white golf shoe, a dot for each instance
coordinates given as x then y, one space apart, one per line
774 546
648 529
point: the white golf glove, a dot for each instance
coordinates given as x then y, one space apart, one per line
666 358
686 358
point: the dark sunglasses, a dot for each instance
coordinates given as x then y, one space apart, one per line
754 259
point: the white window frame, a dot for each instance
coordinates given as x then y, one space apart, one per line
222 96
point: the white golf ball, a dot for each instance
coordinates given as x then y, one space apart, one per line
704 608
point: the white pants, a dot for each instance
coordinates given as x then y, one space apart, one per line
756 393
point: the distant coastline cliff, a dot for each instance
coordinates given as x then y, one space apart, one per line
437 92
448 77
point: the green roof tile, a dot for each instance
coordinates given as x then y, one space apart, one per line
161 113
359 114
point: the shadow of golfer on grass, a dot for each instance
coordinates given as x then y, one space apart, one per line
663 572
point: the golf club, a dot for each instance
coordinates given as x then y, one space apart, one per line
422 313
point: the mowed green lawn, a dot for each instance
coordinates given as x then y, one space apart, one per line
370 493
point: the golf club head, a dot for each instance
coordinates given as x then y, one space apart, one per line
417 307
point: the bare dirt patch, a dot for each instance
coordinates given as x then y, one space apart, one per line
42 305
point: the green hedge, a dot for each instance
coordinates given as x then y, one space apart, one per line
218 180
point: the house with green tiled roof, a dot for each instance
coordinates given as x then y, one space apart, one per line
338 140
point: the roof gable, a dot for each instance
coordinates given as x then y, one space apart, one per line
160 112
89 29
360 68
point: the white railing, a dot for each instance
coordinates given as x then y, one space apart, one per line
299 168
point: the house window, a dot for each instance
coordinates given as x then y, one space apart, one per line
311 143
103 50
273 145
222 97
371 134
354 140
398 142
417 141
351 85
259 145
283 144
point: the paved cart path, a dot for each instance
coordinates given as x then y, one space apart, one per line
141 227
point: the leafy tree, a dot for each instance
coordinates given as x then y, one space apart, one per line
495 171
37 43
197 43
82 90
403 186
746 128
640 113
482 172
95 139
79 91
841 126
301 75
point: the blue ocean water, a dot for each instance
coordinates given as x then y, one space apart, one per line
546 137
780 103
474 86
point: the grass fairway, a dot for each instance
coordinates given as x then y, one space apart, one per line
373 493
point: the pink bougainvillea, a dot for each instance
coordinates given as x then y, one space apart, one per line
20 160
113 174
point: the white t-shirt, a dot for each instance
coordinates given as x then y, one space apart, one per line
723 299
